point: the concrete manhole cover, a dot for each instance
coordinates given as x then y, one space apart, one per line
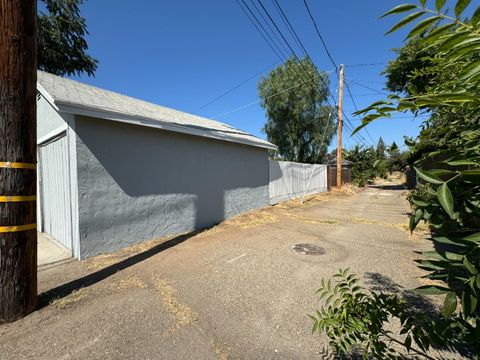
308 249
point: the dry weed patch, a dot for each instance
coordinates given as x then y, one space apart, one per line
183 314
130 282
252 218
70 300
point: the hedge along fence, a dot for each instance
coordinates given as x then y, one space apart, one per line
290 180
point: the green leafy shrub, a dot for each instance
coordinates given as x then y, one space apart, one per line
448 200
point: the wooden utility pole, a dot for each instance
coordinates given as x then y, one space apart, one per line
18 234
340 124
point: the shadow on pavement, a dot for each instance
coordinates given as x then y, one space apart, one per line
388 187
378 282
66 289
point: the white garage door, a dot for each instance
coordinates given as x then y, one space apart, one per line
55 190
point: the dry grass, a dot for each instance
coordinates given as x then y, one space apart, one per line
104 260
252 219
182 313
70 300
347 188
130 282
420 232
309 220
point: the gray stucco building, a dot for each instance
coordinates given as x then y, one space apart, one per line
114 170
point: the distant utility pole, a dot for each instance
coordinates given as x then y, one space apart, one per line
18 231
340 124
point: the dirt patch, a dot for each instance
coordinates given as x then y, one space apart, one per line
71 299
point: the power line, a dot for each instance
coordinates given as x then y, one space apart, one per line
292 52
356 109
287 25
271 45
320 35
269 26
368 87
359 65
260 100
235 87
347 120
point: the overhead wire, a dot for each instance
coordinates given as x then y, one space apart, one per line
320 35
235 87
264 35
348 124
295 36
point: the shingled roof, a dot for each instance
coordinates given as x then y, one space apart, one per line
75 97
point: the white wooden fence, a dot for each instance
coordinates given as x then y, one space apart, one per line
290 180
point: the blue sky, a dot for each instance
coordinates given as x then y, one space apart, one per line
184 53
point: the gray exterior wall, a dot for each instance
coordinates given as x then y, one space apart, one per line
49 119
137 183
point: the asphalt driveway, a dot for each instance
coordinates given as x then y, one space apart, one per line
235 291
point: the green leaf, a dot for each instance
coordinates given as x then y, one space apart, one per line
440 172
423 2
445 198
428 177
449 305
470 70
439 4
454 39
474 237
432 290
460 6
476 17
475 172
408 19
408 342
435 33
461 162
469 303
415 219
420 203
470 267
359 128
422 26
399 9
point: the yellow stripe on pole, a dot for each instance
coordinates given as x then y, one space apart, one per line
9 229
7 199
16 165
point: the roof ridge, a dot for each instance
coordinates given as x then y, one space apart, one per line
73 95
143 101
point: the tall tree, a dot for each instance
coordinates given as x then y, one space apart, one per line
18 235
380 149
299 120
62 48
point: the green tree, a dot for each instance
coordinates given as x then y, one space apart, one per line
363 161
449 203
413 70
380 149
61 45
299 120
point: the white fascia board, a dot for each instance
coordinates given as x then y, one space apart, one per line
137 120
52 134
46 95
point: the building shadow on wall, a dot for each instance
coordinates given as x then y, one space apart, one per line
66 289
192 174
